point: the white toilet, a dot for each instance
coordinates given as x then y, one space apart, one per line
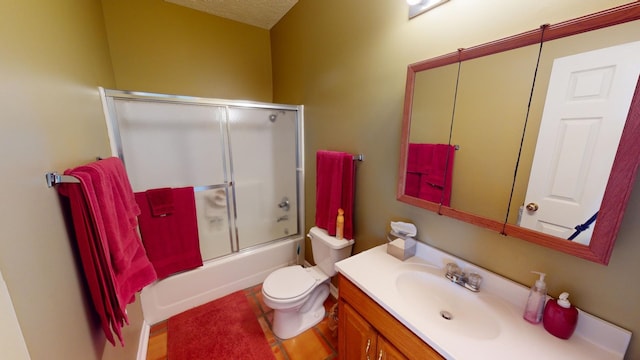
297 294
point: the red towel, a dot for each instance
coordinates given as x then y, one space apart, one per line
160 201
98 275
171 241
412 184
420 157
104 216
432 164
335 188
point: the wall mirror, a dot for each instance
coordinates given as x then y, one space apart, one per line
489 103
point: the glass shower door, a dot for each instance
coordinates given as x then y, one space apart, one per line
175 144
264 167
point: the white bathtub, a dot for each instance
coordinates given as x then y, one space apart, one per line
216 278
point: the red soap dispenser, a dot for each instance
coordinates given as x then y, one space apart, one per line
560 317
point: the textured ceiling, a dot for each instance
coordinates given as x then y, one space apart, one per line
260 13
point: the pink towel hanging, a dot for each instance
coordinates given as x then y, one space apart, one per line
160 201
335 188
430 172
171 241
104 215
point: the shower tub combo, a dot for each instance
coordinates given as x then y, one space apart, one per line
245 163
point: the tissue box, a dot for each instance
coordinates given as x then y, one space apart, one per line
402 248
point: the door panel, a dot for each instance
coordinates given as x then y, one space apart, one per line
358 339
386 351
585 111
263 152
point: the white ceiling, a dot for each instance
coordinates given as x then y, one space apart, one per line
260 13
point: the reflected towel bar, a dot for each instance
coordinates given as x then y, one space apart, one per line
358 157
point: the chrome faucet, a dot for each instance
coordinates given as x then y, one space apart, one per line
470 281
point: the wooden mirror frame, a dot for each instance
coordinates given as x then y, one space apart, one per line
625 166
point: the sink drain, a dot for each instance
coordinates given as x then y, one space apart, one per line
446 315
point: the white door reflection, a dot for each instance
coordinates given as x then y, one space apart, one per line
585 111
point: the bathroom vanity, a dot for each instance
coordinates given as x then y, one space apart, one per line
392 309
366 330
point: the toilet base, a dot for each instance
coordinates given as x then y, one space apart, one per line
288 323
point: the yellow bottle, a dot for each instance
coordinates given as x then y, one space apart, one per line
340 225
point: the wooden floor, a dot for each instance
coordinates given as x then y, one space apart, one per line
317 343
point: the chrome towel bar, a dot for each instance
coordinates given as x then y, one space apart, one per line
54 178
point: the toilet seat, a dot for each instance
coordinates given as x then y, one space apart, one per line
288 283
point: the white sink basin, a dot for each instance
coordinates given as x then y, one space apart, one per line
444 304
483 325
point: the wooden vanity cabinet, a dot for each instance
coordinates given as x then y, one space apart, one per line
361 339
367 331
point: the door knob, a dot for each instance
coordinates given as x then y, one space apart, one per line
532 206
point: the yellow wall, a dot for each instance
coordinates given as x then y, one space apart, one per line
54 55
160 47
346 61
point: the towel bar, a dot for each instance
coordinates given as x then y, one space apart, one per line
54 178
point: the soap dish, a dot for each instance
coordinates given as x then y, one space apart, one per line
402 249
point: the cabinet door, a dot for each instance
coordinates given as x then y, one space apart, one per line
357 339
386 351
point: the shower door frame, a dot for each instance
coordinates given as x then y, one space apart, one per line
108 100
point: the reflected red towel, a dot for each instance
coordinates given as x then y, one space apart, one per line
171 241
160 201
412 184
432 164
104 216
420 157
335 188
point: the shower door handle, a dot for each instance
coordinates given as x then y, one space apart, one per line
284 204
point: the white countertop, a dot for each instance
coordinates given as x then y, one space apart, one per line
375 272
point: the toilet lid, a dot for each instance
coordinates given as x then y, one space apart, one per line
288 282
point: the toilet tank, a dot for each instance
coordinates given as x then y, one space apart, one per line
327 250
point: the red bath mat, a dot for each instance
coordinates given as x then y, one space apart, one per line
226 328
